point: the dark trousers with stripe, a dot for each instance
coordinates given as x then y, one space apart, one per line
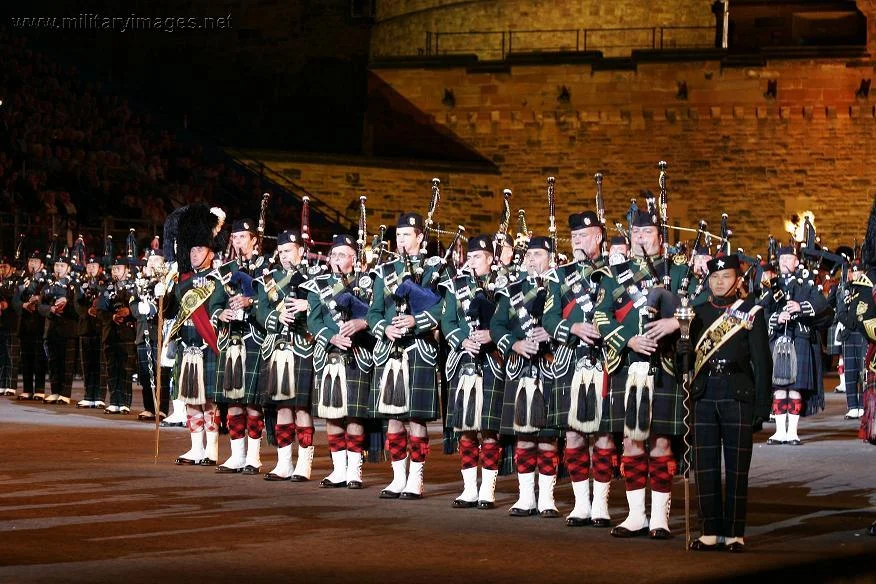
8 360
722 426
33 364
62 361
89 354
119 356
854 350
145 374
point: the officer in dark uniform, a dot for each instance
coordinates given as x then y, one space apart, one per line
730 392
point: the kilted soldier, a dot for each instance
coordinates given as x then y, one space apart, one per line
343 361
144 308
286 376
730 392
403 316
527 402
118 331
31 328
90 288
190 240
581 384
240 341
8 325
634 315
475 373
618 245
62 326
791 313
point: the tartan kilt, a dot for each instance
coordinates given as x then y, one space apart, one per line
211 361
805 381
561 398
667 410
304 378
251 366
424 399
508 399
358 389
491 411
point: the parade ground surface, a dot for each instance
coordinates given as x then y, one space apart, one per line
81 500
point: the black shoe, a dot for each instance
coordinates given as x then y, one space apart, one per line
660 533
549 514
623 532
517 512
872 530
298 479
486 505
327 484
794 442
698 546
737 547
772 442
387 494
354 484
410 496
207 462
275 477
250 470
578 521
164 424
185 461
601 522
227 470
460 504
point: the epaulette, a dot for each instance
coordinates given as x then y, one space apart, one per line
863 280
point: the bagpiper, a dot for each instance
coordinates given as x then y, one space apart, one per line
635 317
118 328
8 324
581 376
286 376
527 351
58 308
475 373
343 359
240 340
31 327
90 288
794 304
403 316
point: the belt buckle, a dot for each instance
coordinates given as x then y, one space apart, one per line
470 369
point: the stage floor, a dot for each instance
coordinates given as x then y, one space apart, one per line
81 500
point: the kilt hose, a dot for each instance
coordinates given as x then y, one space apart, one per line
8 359
482 412
722 426
93 371
422 378
61 352
146 375
854 350
237 371
667 409
33 364
268 380
119 356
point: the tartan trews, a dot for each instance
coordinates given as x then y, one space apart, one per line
722 426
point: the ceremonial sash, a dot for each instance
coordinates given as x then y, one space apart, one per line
722 330
192 308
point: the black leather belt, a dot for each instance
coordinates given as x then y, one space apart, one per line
722 367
